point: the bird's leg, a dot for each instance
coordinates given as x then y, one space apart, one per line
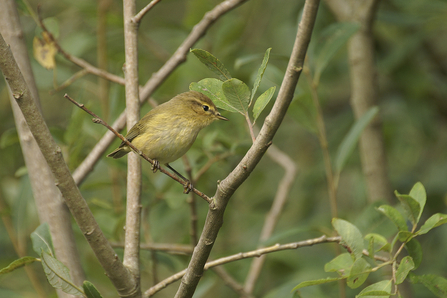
155 166
187 187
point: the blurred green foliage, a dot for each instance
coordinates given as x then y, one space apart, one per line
412 71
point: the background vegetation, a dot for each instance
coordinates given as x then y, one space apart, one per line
412 70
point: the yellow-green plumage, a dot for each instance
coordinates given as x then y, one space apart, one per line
168 131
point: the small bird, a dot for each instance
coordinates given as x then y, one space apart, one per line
167 132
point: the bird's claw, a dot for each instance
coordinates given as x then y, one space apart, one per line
187 187
155 166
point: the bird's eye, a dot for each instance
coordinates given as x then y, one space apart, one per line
205 108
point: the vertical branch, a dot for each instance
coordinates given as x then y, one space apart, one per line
364 93
133 213
192 204
103 6
248 163
332 188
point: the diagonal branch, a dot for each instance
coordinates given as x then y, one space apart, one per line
264 139
137 18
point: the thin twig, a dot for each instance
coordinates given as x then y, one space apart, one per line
231 282
179 249
137 18
250 127
209 163
98 120
243 255
324 145
70 81
192 204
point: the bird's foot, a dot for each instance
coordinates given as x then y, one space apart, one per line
155 166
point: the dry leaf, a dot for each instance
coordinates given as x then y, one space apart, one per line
44 51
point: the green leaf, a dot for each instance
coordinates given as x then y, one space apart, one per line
380 242
262 102
302 110
52 25
404 236
350 140
350 235
58 275
246 59
359 273
8 138
213 89
337 35
90 290
261 71
418 193
41 239
315 282
18 264
378 289
415 251
395 216
341 264
237 94
412 208
436 284
406 264
434 221
212 63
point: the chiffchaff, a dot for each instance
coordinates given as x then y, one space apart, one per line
168 131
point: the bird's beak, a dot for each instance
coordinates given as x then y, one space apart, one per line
219 116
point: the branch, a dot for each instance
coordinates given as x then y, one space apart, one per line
364 93
192 204
231 282
157 78
272 122
178 249
243 255
322 138
137 18
131 258
118 274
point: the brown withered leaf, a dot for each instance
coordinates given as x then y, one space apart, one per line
44 51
